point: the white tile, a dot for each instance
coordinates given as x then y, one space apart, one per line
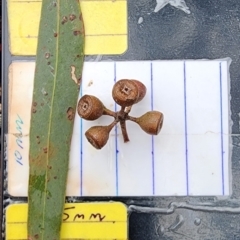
20 101
225 127
190 153
135 173
204 164
204 127
169 145
98 171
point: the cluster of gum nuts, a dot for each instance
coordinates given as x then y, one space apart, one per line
125 93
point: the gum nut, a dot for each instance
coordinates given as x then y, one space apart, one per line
97 136
141 90
151 122
125 92
90 107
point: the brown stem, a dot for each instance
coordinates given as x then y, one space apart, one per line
121 115
110 127
108 112
133 119
124 131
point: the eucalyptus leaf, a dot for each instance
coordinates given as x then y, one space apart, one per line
57 79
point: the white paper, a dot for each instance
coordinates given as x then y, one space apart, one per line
190 156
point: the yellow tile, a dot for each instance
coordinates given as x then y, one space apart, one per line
97 44
81 221
105 26
106 18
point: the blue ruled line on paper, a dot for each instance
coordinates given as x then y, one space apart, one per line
116 134
185 123
153 157
81 152
221 118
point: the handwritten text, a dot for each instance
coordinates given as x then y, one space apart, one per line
19 140
73 216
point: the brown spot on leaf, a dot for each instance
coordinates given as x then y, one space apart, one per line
55 177
70 113
75 33
47 55
34 110
39 160
48 63
49 167
34 104
72 17
45 150
38 140
55 34
54 4
64 19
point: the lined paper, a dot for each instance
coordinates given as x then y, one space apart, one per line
190 156
105 23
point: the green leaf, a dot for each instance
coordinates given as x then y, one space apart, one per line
56 87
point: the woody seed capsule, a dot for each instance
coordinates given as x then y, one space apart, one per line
98 136
90 107
151 122
127 92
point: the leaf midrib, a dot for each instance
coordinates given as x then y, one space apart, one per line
50 118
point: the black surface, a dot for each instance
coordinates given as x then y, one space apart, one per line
211 31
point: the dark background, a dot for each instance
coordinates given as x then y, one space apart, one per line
211 31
